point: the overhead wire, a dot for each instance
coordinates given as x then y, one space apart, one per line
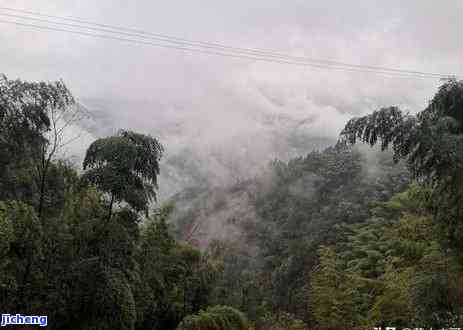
128 35
254 51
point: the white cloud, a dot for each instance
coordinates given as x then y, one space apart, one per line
238 111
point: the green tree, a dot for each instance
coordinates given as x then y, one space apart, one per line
174 279
402 273
28 112
215 318
157 296
438 288
21 280
330 295
100 298
282 321
432 144
125 166
395 304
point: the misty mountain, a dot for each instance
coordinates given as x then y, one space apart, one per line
196 157
329 184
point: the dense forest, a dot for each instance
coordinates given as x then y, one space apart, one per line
345 237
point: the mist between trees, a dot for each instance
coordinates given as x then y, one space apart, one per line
342 236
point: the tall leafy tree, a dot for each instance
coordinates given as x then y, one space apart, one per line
28 112
125 166
431 141
432 144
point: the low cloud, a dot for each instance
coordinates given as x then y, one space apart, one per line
222 119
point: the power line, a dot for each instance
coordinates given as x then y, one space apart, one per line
288 58
188 49
249 51
222 52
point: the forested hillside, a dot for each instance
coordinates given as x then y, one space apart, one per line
345 236
87 250
341 237
272 227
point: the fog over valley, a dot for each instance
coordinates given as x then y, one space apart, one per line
221 118
231 165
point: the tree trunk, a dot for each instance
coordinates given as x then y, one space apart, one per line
110 213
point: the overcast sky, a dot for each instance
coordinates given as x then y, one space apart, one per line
217 99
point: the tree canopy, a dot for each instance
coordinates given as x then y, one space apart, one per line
431 141
432 144
125 166
339 237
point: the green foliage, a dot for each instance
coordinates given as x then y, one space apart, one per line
438 293
432 144
299 205
24 108
215 318
395 304
24 122
235 285
420 282
330 294
101 298
22 251
174 279
58 257
335 242
125 166
400 271
282 321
